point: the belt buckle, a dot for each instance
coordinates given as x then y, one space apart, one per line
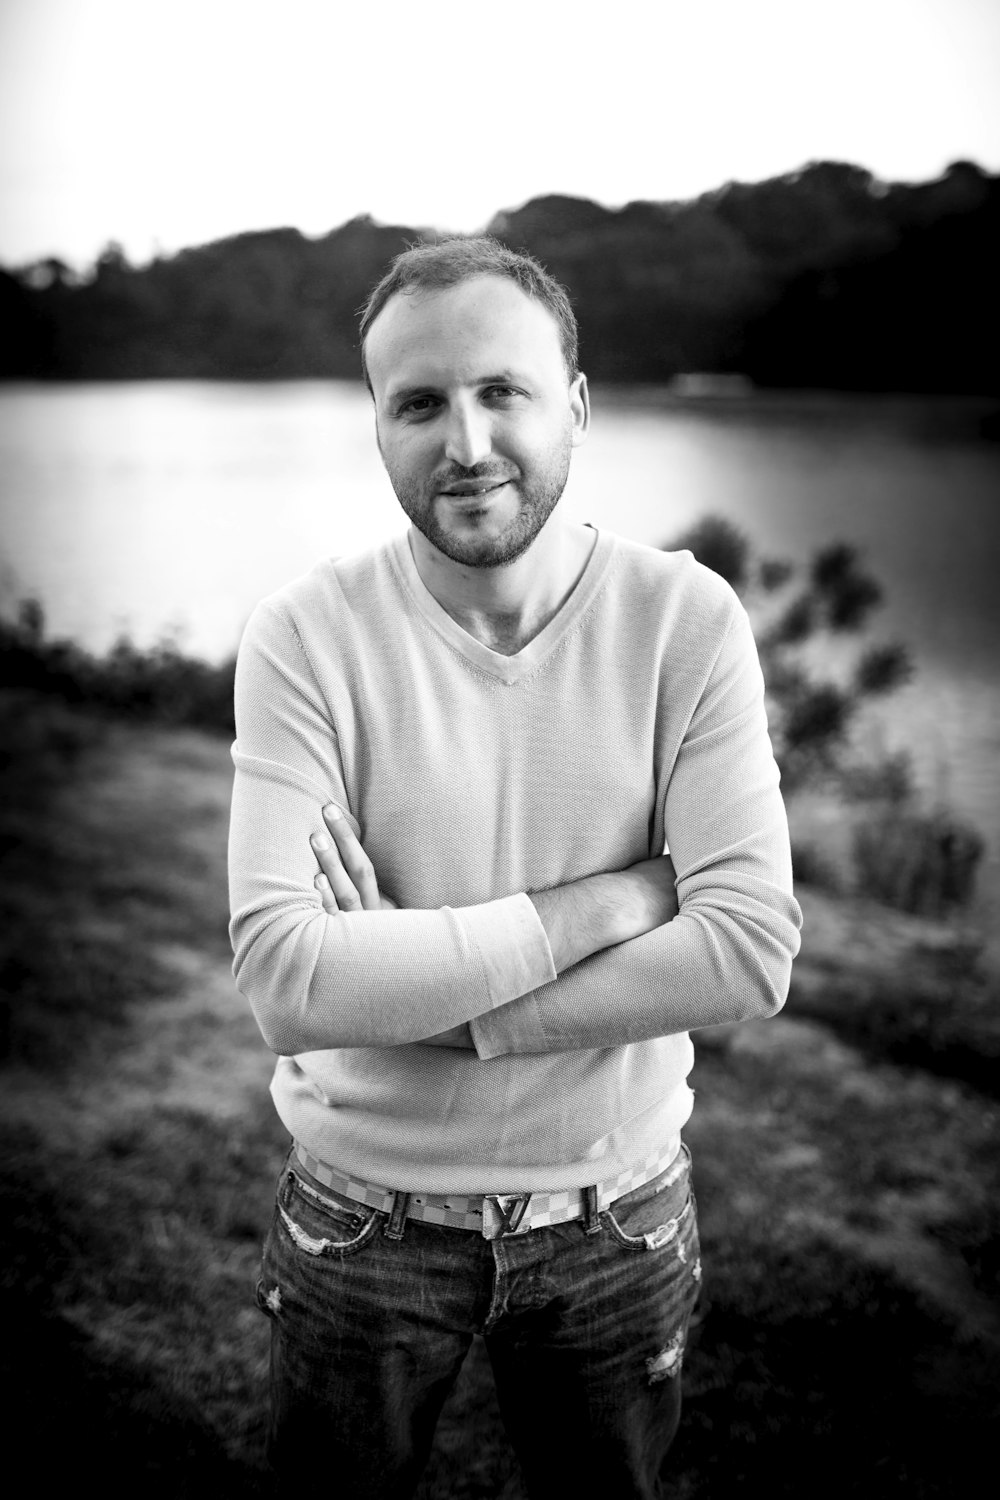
502 1214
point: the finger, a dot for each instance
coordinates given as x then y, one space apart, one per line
326 895
341 885
355 861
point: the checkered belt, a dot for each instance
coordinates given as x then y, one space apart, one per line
496 1214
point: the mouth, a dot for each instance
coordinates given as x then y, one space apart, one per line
472 489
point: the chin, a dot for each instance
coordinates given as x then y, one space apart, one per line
488 551
485 546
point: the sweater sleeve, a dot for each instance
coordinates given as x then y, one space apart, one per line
359 979
727 955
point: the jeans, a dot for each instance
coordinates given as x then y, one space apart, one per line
584 1324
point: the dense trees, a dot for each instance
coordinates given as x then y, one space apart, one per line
822 277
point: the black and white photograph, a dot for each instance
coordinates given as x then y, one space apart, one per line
500 748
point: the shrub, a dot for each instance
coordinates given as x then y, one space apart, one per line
812 865
923 863
160 683
795 611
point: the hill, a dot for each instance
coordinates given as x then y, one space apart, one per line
824 277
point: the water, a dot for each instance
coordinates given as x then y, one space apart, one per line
172 507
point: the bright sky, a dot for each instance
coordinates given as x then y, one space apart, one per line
161 123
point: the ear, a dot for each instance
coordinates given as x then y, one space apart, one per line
579 405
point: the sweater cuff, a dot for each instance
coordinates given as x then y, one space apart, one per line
513 949
512 945
514 1029
516 959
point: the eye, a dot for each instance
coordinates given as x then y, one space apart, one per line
418 406
501 395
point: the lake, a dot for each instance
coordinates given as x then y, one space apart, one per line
173 506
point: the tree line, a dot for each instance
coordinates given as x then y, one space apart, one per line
823 277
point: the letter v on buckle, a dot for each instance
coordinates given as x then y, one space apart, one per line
506 1212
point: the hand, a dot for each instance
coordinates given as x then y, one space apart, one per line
346 882
346 879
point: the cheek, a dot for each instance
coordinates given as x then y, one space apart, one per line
406 455
529 440
546 444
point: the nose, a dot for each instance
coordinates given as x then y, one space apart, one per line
467 437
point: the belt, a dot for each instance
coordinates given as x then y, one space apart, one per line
496 1214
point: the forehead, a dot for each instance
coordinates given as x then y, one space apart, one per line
462 333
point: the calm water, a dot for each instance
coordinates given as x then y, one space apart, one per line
174 506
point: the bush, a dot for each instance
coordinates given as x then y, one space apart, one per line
812 865
917 862
796 611
160 683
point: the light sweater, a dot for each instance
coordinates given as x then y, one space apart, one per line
633 721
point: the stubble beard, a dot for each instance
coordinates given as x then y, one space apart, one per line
538 499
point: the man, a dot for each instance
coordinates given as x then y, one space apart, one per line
460 758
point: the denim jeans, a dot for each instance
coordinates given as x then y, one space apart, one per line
584 1323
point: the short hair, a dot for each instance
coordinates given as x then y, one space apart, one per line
449 262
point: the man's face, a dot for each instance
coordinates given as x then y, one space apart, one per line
475 414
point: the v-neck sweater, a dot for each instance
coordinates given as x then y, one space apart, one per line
633 721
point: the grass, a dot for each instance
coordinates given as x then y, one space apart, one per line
849 1344
846 1166
917 992
99 885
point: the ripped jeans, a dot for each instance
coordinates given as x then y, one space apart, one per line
584 1323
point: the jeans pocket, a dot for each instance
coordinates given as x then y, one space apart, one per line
318 1223
657 1214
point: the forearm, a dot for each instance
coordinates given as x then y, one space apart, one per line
600 911
377 979
367 978
585 916
384 978
319 979
726 957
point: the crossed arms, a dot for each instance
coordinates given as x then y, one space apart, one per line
614 958
580 918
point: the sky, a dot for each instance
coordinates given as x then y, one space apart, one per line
163 123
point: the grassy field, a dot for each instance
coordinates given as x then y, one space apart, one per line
846 1158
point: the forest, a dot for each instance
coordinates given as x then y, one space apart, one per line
824 277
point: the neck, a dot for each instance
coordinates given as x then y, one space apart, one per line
506 607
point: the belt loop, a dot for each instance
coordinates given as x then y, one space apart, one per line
396 1227
591 1215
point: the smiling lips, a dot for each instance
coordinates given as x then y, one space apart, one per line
469 489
